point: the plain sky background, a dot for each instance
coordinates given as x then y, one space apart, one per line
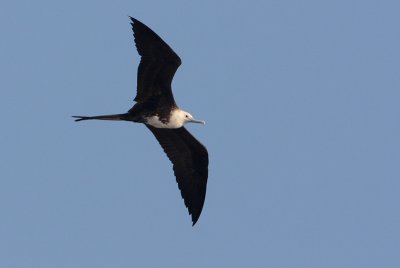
301 100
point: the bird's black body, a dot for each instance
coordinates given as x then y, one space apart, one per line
156 108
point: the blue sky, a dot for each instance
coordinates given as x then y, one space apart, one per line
301 100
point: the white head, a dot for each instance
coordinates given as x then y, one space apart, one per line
188 118
179 118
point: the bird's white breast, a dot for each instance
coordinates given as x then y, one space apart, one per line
176 120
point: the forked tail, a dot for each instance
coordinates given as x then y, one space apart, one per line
114 117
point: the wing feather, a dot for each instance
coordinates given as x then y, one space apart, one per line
157 66
190 164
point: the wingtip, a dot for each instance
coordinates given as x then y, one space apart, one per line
195 218
133 20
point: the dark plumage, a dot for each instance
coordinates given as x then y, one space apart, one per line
156 108
190 160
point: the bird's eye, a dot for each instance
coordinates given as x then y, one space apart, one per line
186 116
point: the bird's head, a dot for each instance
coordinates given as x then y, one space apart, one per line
188 118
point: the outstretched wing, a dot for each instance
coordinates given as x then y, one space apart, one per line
157 66
190 163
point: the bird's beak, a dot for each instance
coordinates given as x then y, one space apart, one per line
198 121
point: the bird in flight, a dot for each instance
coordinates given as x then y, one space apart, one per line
155 107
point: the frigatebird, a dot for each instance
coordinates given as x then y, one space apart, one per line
155 107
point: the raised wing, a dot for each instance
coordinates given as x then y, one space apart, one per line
190 163
157 66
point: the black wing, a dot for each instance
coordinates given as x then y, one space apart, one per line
157 66
190 162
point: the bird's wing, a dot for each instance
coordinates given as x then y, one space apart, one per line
157 66
190 162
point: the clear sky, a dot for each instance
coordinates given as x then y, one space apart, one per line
301 100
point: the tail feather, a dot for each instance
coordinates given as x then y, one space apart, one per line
114 117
